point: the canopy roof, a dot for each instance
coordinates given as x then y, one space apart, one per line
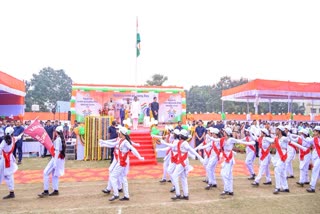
260 90
12 93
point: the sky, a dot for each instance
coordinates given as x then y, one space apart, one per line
191 42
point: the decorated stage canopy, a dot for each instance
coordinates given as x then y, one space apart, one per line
260 90
12 93
89 100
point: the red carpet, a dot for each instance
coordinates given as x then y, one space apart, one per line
136 172
142 136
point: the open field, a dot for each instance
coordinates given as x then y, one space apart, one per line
149 196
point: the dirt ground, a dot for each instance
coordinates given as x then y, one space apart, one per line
149 196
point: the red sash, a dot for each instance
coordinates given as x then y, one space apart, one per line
302 153
216 150
6 155
250 146
52 151
264 153
181 158
229 157
293 146
168 151
316 145
283 157
208 153
122 156
222 143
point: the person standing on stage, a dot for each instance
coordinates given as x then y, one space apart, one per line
155 108
56 165
135 112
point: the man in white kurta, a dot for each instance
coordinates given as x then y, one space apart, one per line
135 112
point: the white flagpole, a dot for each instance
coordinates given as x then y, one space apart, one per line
136 68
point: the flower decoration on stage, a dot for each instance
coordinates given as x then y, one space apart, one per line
103 112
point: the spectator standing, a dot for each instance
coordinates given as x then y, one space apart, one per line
112 134
66 131
18 130
200 134
49 129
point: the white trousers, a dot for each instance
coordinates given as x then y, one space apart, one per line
119 173
146 121
264 169
290 158
249 161
135 123
304 168
9 179
211 169
180 171
280 175
46 177
227 176
315 173
166 163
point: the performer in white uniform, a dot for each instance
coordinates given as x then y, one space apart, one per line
281 143
291 154
120 167
8 164
250 153
166 160
114 143
315 159
212 150
55 167
304 156
182 166
228 155
264 157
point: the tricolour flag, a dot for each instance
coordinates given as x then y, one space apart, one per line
138 40
37 132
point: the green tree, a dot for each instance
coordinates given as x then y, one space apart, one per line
157 80
48 87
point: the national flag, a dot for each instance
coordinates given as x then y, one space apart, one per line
138 40
36 131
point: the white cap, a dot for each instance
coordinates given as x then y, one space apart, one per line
280 128
265 131
155 122
176 131
123 130
287 127
184 133
59 129
170 128
9 130
228 131
213 130
304 131
317 128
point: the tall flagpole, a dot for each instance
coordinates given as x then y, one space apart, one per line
136 68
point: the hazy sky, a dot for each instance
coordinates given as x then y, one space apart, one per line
94 41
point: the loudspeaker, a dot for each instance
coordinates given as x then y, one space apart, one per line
69 115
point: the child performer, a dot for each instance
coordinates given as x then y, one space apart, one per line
250 154
304 156
120 169
182 165
291 154
316 160
212 151
227 165
8 164
56 165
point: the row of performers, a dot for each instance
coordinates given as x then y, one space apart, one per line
219 145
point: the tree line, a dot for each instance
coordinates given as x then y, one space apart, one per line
50 85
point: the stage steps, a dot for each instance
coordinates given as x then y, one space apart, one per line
145 150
